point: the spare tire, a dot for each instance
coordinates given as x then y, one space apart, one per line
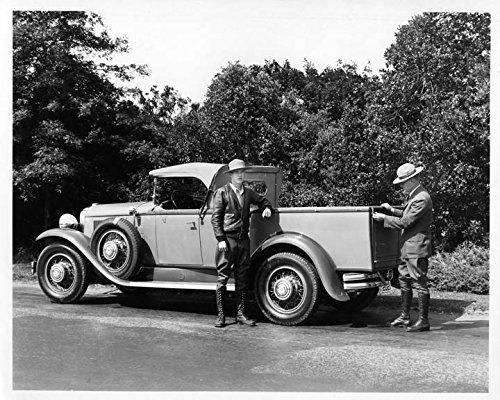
117 245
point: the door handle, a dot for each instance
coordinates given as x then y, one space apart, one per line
193 225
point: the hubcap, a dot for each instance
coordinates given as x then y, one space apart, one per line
113 250
285 289
110 250
57 272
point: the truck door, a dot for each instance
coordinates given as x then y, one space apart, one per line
178 237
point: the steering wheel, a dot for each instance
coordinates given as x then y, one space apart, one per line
180 195
173 195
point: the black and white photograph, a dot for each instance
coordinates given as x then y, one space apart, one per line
274 199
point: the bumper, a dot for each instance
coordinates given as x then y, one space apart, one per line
359 281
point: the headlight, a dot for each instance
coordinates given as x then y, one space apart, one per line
68 221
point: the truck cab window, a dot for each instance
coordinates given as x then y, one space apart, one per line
259 187
180 193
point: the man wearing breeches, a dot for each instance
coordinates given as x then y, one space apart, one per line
414 221
230 221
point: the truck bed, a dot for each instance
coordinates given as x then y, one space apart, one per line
348 234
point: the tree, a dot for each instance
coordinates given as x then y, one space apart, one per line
433 109
279 115
64 147
337 134
242 115
157 130
332 160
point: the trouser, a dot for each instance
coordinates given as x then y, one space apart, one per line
414 270
236 258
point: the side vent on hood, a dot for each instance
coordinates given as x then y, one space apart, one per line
97 223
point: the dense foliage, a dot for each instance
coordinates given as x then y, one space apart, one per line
434 101
466 269
64 116
338 134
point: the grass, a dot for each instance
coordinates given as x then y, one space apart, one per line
22 273
441 302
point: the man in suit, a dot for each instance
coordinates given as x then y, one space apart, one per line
415 222
231 221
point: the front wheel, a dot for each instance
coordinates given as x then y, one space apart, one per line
287 288
62 273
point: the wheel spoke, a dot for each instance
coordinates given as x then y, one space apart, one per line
285 289
117 252
60 273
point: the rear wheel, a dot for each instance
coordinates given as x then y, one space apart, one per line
62 273
358 300
287 288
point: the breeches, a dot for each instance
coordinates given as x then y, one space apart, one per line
236 258
414 270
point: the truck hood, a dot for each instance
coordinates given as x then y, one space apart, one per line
116 209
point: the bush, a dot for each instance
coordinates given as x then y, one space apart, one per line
25 254
466 269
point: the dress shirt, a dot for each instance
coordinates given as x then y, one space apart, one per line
239 192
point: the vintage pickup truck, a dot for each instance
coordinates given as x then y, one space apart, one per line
299 256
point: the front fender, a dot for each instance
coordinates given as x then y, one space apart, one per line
319 257
82 243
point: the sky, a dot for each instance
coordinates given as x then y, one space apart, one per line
186 43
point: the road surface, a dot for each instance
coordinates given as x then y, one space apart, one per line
165 341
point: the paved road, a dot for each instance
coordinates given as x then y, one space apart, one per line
166 342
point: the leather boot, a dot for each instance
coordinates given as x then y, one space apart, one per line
241 318
423 320
404 318
219 299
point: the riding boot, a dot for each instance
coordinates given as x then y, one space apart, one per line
404 318
423 320
241 318
219 299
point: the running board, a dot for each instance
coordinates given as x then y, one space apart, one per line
176 285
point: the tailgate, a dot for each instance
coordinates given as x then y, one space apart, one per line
385 244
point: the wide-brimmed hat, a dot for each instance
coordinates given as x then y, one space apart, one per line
237 165
406 171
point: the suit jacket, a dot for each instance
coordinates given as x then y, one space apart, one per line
229 216
415 221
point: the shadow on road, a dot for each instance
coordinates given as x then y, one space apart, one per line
379 314
437 305
459 325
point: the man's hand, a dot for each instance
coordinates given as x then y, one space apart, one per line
387 206
378 216
222 245
266 213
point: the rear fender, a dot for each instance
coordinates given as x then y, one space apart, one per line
321 260
82 244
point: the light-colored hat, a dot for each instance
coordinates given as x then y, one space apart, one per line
236 165
405 172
